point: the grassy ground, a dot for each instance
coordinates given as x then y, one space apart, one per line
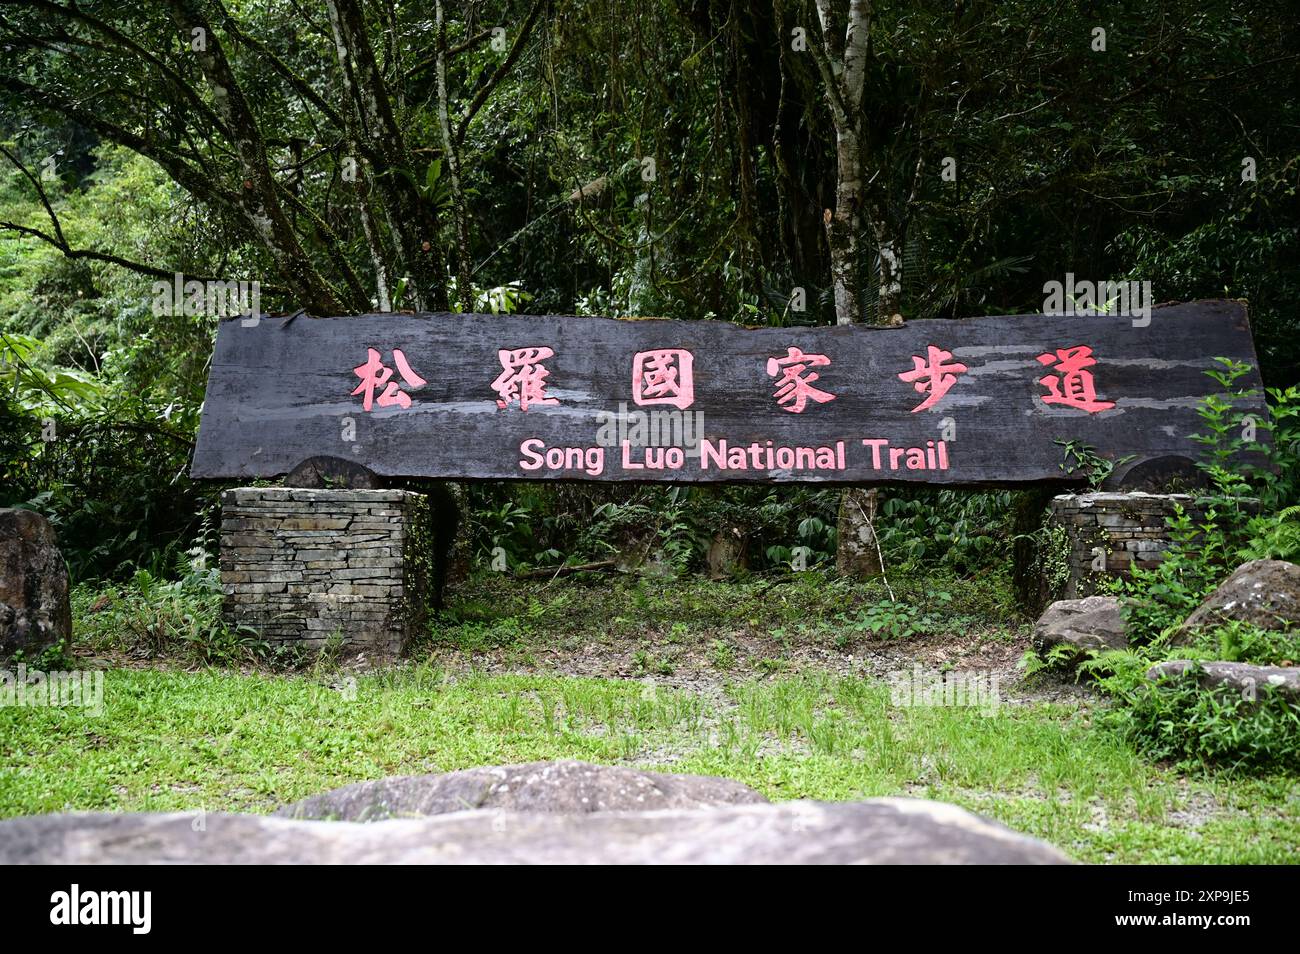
777 686
691 628
247 742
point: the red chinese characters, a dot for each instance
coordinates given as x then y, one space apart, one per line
664 376
794 388
931 376
523 377
1073 385
375 374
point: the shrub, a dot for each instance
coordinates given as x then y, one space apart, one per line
1242 642
150 617
1178 719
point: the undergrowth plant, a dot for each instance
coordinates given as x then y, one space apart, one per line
1250 513
151 617
1176 718
784 529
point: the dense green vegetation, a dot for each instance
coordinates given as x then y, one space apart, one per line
1185 721
121 167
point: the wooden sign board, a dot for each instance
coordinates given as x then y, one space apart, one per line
975 402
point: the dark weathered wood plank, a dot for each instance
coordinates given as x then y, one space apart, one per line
282 391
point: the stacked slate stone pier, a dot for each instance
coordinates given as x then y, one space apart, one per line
1108 534
303 565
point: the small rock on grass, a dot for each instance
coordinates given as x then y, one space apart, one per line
1245 678
1091 623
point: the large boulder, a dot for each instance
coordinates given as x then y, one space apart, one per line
550 787
877 831
332 473
1247 679
1095 622
35 613
1265 593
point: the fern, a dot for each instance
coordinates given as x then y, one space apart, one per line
1275 537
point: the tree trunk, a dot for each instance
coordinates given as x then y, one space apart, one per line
1029 509
375 242
857 554
412 221
844 226
889 304
842 62
464 290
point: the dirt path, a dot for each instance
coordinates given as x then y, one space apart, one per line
701 666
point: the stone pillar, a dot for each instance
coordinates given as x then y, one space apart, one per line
1089 537
301 565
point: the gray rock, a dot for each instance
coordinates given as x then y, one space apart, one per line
1094 622
1244 678
332 473
878 831
552 787
1265 593
35 612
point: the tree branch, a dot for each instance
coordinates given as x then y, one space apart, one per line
452 52
500 73
297 82
258 201
126 42
40 193
198 182
150 270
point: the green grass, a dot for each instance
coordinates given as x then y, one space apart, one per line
218 740
493 611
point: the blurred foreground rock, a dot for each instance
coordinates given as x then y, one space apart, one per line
877 831
551 787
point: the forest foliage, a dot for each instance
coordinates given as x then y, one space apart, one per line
676 158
